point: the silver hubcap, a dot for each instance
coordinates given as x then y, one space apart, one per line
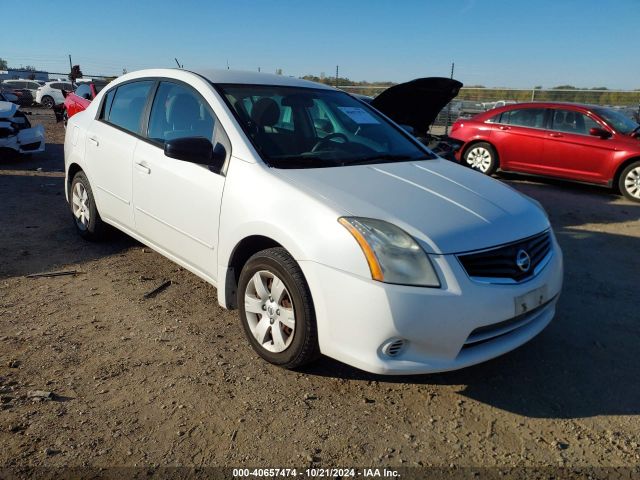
479 158
632 183
80 205
269 311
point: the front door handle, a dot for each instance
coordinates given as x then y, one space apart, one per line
556 135
504 127
141 167
94 140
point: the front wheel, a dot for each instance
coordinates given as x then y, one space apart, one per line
276 309
629 183
86 218
481 157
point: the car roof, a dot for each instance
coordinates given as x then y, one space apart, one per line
216 76
586 106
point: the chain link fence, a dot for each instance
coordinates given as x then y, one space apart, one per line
471 100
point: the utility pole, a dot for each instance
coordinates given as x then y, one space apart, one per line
258 69
446 127
337 70
70 64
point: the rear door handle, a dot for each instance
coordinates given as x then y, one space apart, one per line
504 127
141 167
94 139
556 135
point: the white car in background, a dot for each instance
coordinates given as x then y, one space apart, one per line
50 93
330 228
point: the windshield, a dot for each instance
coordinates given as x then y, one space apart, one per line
617 120
296 127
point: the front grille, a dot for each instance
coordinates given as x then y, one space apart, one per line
502 262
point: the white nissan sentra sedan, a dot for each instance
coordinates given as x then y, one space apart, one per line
330 228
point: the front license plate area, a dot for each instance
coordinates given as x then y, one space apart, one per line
531 300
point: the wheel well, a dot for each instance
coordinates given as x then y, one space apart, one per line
623 165
73 169
241 253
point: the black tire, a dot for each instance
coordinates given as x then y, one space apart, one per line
303 347
94 229
629 181
47 101
482 157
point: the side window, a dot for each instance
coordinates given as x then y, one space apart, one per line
56 85
179 112
127 105
569 121
525 117
84 91
106 105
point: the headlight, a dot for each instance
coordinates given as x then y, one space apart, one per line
392 254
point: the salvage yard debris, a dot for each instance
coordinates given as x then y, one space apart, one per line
40 395
54 274
158 289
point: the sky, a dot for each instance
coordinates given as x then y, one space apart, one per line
499 43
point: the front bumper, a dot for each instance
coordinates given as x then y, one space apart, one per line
442 327
28 140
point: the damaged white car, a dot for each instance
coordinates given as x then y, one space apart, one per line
16 133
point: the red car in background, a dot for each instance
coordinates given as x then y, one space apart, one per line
586 143
80 98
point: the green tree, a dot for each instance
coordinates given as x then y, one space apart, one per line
3 64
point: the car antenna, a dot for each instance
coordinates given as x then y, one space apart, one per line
179 66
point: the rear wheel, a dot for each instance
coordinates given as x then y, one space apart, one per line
86 218
47 101
481 157
276 309
629 182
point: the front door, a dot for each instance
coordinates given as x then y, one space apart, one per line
571 152
177 203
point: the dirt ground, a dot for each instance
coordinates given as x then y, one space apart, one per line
171 381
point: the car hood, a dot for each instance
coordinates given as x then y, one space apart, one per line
447 207
8 109
418 102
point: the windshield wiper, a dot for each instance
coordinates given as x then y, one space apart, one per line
384 158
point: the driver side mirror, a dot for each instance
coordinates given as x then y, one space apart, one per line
600 132
197 150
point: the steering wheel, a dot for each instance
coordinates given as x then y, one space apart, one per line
328 139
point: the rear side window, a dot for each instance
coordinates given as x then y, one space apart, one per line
526 117
179 112
124 107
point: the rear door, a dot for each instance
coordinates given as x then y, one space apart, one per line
570 151
111 141
177 203
519 136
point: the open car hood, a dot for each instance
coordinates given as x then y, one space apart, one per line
418 102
